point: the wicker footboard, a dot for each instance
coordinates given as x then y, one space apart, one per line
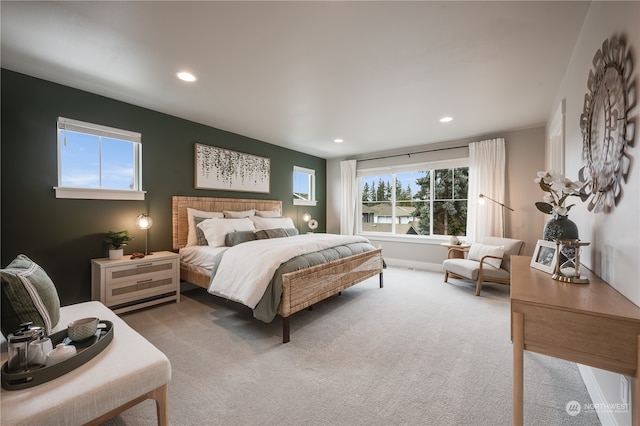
303 288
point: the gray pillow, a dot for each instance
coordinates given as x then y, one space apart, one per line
238 237
28 294
201 240
264 234
292 231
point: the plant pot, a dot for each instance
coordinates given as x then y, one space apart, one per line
115 254
453 240
560 228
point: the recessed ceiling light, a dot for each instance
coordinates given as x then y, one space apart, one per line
186 76
338 140
446 119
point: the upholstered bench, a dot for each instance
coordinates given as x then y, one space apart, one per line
128 371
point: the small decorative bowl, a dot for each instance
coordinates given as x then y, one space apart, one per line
82 329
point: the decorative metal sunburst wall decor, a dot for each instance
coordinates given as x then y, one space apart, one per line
607 130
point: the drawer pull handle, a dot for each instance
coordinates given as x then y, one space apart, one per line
144 281
143 265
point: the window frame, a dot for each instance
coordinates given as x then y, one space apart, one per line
311 181
393 171
70 125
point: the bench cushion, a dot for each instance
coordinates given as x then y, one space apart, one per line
126 369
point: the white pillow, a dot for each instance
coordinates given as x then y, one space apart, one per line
215 230
245 213
268 213
272 222
192 237
477 251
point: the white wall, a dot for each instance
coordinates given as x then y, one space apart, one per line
525 157
615 236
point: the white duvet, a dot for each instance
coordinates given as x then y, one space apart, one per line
246 269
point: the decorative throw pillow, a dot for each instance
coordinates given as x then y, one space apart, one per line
268 213
201 239
238 214
264 234
477 251
28 294
272 222
192 237
239 237
216 230
292 231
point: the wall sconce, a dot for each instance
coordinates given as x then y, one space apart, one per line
481 200
311 223
143 221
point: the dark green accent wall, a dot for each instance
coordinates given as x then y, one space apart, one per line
62 235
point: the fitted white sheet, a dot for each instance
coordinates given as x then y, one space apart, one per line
201 256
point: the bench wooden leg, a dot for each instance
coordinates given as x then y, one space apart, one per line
160 395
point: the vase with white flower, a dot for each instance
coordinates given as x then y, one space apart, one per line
557 190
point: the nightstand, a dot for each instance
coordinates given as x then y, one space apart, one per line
127 284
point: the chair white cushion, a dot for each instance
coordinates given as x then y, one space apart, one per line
511 247
477 251
470 268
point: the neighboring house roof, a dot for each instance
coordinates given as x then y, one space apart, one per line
385 210
407 228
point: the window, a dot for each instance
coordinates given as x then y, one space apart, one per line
98 162
416 200
304 186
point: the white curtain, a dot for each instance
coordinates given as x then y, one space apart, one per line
486 176
348 207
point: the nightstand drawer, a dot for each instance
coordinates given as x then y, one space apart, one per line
139 271
127 291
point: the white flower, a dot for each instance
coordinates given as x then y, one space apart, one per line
557 188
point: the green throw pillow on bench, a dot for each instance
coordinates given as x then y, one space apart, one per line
28 294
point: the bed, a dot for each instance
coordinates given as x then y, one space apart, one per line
301 288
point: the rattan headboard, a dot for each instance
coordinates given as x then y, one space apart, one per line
179 206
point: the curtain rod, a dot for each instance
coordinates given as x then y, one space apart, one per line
412 153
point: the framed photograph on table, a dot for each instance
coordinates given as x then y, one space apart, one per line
544 256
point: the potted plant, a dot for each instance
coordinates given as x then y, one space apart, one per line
454 229
116 240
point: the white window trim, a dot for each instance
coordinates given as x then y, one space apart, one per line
100 193
312 189
429 165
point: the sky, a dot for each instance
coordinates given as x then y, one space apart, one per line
80 159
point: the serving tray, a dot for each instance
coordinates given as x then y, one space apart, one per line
85 350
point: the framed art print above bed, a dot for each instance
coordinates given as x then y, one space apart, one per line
217 168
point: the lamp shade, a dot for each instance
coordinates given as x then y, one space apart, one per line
144 221
306 216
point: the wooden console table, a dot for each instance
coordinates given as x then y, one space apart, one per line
591 324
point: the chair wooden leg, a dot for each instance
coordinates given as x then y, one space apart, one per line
478 285
446 276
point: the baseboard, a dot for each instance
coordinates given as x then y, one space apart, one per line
412 264
597 396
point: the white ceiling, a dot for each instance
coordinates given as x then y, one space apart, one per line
300 74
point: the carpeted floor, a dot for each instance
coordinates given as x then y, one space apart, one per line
417 352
